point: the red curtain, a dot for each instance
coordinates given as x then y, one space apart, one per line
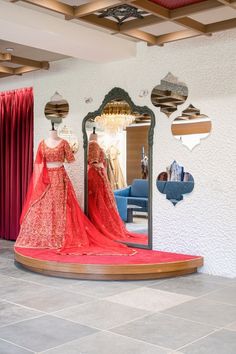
16 156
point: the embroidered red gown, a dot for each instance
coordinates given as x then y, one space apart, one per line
52 218
101 202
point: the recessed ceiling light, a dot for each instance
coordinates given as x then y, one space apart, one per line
9 49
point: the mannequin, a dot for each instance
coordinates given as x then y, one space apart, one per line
51 217
101 201
52 141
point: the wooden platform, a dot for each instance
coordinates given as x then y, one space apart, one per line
106 269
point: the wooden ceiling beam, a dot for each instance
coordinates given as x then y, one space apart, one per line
165 14
175 36
152 8
24 69
91 7
53 5
101 22
5 56
6 70
140 35
229 3
194 8
29 62
221 26
192 24
139 23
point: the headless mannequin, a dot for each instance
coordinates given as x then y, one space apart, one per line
52 141
94 137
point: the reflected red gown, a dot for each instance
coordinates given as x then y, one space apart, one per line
101 202
52 218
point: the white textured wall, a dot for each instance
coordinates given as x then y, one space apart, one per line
204 223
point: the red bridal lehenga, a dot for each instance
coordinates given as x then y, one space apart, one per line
101 202
52 217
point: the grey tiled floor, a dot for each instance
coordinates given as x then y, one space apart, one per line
195 314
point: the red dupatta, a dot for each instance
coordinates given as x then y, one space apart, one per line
38 184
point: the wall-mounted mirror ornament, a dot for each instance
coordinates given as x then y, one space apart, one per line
56 109
175 182
118 140
169 94
191 127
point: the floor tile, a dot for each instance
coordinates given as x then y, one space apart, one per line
188 286
102 289
101 314
107 343
221 342
226 295
44 333
51 299
149 299
7 253
164 330
50 281
7 244
10 313
210 278
205 311
8 348
16 289
232 326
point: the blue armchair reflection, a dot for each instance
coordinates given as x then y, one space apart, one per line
135 195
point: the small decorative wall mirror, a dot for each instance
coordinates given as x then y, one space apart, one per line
191 127
56 109
169 94
175 182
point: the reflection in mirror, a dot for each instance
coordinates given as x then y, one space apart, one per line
175 182
123 137
169 94
191 126
56 109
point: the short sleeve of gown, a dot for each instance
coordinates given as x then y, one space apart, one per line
69 156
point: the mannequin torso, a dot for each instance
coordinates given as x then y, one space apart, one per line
52 142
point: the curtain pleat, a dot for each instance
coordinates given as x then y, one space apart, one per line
16 157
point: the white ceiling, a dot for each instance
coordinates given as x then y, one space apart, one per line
162 28
33 28
215 15
29 52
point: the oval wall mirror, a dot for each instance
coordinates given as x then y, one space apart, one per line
118 140
191 127
169 94
175 182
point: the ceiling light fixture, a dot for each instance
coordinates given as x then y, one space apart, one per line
116 116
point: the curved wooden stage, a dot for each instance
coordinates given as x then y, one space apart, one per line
146 264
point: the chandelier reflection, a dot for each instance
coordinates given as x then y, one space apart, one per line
116 116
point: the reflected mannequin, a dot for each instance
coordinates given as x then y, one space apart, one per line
102 207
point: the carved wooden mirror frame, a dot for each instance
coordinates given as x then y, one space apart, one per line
119 94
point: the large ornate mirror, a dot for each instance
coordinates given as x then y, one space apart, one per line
118 140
